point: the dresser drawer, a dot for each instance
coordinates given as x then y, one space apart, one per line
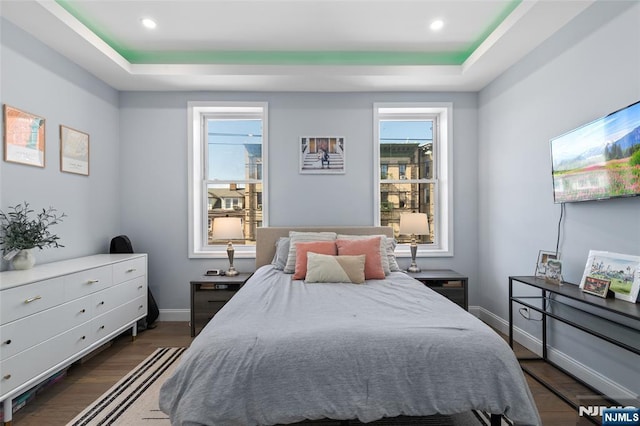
129 269
87 282
19 302
28 364
24 333
105 324
117 295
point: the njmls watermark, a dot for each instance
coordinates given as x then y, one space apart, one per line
619 416
625 413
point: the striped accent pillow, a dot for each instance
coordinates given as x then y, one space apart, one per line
297 236
322 268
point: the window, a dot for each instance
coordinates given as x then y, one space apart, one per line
411 151
227 148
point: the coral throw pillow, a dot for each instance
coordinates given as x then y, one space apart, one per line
370 247
321 247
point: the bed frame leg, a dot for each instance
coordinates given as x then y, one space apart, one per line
496 419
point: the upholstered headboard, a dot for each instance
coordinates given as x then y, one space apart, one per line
266 238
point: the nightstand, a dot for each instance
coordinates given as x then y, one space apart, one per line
448 283
208 296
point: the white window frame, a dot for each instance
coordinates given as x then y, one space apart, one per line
443 169
197 174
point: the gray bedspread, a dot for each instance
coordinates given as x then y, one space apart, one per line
282 351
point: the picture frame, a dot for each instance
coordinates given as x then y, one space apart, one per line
322 155
74 151
553 273
596 286
622 270
23 137
541 265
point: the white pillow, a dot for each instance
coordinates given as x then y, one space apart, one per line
297 236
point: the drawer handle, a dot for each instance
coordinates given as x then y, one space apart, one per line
140 287
101 303
7 342
83 337
141 306
33 299
7 376
93 281
131 270
82 311
102 327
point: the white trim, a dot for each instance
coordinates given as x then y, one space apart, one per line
174 315
196 164
443 246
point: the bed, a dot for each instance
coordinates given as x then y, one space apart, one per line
284 350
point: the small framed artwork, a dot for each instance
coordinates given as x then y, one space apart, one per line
553 272
541 265
74 151
24 140
596 286
322 155
621 270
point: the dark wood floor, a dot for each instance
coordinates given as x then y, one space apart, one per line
87 380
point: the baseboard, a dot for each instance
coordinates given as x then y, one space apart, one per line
180 315
583 372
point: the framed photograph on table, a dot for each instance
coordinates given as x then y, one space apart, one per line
24 137
322 155
74 151
596 286
543 258
621 270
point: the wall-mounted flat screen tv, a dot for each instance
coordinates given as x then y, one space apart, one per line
598 160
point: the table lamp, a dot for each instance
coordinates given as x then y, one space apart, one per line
228 228
414 224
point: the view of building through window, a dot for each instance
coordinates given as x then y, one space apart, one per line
234 174
407 175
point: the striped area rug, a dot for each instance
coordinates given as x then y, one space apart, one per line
133 401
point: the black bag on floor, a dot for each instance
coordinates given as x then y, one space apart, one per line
122 244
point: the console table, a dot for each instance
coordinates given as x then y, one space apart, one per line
620 314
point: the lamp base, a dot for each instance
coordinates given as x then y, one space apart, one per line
231 272
414 268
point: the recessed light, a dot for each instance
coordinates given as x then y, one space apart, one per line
437 25
148 23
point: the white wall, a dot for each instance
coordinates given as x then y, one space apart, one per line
38 80
154 174
589 69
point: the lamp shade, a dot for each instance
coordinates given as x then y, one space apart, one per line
414 223
227 228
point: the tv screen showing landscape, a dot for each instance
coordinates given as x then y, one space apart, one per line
598 160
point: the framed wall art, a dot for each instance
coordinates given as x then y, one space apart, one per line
322 154
24 137
74 151
621 270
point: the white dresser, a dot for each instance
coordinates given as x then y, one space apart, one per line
54 314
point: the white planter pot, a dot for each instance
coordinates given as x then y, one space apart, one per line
23 260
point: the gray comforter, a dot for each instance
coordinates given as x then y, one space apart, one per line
282 351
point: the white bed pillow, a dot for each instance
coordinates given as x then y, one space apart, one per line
323 268
296 236
391 255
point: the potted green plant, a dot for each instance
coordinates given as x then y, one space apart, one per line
21 232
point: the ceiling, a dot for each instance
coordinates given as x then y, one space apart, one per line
294 45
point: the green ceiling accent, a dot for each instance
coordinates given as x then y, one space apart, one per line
273 57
